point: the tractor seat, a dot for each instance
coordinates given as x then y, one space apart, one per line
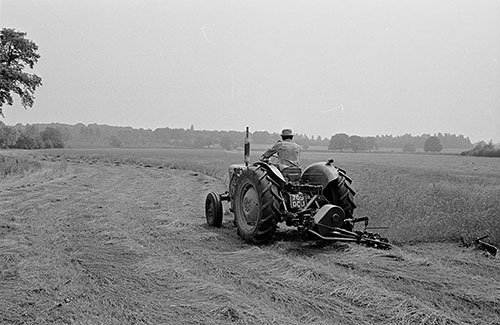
292 174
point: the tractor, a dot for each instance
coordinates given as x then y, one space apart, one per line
317 201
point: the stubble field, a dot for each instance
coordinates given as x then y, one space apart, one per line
119 236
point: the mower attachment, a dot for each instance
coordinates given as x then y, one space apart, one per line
487 247
359 237
329 220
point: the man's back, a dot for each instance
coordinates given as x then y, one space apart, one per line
288 153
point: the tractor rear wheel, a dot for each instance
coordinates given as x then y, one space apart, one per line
213 209
340 193
256 208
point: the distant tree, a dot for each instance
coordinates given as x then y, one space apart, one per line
227 143
8 136
409 148
28 138
52 138
303 144
17 52
31 132
115 142
483 149
357 143
371 143
26 142
447 140
263 137
339 141
432 144
202 140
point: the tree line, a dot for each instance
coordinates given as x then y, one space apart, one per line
94 135
447 140
406 142
57 135
30 137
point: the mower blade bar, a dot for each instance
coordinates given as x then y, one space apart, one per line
349 238
345 239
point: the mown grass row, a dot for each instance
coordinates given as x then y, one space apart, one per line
419 197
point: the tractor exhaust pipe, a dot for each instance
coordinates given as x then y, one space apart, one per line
247 148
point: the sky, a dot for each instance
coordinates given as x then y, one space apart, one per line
319 67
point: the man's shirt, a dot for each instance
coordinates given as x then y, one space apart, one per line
288 153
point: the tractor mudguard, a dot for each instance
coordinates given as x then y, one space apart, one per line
320 173
273 172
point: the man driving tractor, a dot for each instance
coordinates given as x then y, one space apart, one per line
287 150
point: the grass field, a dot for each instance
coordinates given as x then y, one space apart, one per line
420 197
119 237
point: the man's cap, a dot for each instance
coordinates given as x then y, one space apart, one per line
286 132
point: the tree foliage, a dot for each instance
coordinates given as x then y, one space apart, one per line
432 144
371 143
29 137
16 53
339 141
52 138
115 142
227 143
483 149
8 136
447 140
409 148
357 143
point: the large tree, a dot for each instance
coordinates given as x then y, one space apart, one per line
16 53
357 143
432 144
52 138
371 143
339 141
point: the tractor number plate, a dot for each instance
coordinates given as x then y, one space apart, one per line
297 201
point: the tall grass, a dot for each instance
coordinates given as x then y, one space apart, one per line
17 165
420 197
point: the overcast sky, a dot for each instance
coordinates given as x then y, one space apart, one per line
319 67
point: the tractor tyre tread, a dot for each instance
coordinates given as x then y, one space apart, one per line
343 196
269 202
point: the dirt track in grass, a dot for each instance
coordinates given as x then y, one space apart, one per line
102 243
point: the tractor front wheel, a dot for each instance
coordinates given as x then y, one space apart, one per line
213 209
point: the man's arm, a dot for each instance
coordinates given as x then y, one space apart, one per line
271 151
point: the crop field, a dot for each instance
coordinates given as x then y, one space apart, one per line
420 197
118 236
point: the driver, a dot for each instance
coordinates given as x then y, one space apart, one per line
288 151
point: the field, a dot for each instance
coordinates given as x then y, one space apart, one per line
119 236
